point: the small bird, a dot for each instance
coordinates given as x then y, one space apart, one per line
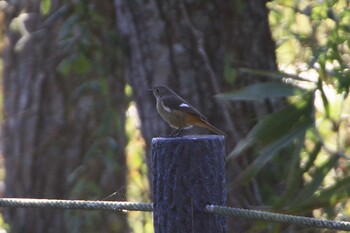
178 113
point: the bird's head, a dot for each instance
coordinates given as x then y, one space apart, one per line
160 90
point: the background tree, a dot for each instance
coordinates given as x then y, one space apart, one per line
64 134
196 48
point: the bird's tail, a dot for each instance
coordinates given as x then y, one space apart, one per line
207 125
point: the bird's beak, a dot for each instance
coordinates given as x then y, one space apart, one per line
150 90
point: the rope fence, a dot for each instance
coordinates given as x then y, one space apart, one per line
74 204
281 218
139 206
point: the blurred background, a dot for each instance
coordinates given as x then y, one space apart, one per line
77 117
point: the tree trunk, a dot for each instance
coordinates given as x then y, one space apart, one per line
190 46
60 139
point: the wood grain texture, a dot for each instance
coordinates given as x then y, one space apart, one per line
188 173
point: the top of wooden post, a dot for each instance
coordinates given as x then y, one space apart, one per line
190 137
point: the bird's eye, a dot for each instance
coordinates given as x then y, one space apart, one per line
157 90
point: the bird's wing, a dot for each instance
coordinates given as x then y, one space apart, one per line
182 105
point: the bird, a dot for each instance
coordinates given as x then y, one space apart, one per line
178 113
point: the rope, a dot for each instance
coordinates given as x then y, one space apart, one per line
138 206
282 218
74 204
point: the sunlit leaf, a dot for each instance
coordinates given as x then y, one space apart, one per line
319 12
278 75
340 188
45 6
312 157
260 91
318 176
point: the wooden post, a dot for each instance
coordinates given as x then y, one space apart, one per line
188 173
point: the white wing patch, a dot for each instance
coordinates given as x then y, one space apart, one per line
166 108
183 105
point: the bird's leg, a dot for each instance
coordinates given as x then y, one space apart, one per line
176 132
179 131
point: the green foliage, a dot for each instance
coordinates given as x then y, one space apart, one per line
273 133
313 40
45 6
90 42
92 55
91 46
77 63
229 70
